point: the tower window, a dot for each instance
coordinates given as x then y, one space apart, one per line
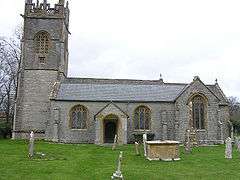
42 41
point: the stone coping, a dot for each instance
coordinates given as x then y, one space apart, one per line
162 142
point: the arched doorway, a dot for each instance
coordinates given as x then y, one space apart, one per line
110 128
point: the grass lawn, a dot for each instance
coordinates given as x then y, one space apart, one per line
67 161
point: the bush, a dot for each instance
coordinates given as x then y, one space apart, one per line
138 137
5 129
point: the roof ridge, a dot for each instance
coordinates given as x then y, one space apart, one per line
117 81
76 78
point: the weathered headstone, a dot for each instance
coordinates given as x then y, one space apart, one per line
31 145
118 174
187 143
228 150
144 144
137 149
193 137
237 142
114 142
55 133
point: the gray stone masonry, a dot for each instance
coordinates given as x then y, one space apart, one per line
37 78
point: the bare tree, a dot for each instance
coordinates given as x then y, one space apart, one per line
10 60
234 109
234 105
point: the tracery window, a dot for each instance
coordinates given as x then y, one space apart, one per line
198 112
142 117
78 117
42 42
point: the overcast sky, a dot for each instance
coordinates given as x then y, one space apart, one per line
139 39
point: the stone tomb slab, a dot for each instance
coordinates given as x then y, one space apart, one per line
163 150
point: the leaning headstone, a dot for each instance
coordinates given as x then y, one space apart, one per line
144 144
118 174
187 143
137 149
228 150
114 142
31 145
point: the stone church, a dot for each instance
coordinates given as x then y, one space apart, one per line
88 110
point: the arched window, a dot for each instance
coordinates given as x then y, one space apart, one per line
42 45
198 112
142 117
78 117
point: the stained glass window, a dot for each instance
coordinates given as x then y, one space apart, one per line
78 117
142 118
198 112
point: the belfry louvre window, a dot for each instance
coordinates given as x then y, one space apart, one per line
42 41
198 112
78 117
142 118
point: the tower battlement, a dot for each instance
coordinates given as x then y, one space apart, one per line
44 10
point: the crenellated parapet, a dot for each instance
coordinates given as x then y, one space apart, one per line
44 9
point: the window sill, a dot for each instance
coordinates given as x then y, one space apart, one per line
201 130
78 129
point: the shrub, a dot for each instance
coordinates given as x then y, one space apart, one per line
5 129
138 137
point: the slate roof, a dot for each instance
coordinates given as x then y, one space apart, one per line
219 93
124 90
117 90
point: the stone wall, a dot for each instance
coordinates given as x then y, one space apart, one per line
89 135
211 133
57 58
33 101
37 78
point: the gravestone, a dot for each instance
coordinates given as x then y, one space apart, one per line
228 150
31 145
238 146
118 174
144 144
137 149
187 143
55 133
193 137
114 142
237 142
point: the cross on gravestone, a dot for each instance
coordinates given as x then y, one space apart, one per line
118 174
144 144
31 145
114 142
228 150
137 149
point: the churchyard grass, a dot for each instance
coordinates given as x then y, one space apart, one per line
92 162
